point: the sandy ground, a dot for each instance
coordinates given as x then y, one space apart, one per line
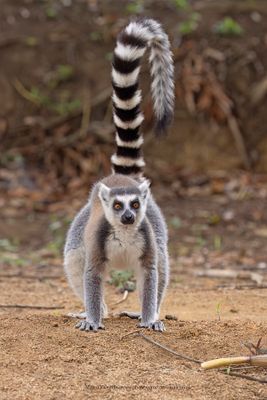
44 357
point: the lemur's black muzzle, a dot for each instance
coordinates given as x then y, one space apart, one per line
127 218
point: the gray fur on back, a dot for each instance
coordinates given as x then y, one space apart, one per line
74 238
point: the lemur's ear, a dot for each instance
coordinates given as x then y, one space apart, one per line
104 193
144 188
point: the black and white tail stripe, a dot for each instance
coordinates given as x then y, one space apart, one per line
131 46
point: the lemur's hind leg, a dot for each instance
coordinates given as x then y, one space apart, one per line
74 268
104 309
163 278
130 314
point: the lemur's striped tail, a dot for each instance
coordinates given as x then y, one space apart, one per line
131 46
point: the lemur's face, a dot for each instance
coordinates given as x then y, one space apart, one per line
124 206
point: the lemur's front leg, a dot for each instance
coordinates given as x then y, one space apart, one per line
93 292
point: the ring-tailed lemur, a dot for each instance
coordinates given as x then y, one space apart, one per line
121 225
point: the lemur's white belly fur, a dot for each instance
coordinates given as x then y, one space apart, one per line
123 251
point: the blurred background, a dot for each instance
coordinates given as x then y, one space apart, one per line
57 135
56 123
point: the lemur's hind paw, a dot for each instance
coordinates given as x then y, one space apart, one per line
130 314
88 326
156 326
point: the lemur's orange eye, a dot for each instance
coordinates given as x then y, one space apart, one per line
117 206
136 205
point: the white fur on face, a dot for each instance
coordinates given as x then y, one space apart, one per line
114 217
126 198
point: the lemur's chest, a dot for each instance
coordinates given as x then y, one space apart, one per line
124 250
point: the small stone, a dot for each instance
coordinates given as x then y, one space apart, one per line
255 16
25 13
228 215
171 317
262 265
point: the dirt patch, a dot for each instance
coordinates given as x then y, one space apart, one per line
43 356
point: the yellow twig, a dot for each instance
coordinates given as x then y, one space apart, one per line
259 361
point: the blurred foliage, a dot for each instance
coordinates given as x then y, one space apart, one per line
176 222
64 72
64 105
228 27
180 4
135 7
51 12
31 41
123 280
73 43
190 25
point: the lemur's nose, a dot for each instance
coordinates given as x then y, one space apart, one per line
127 218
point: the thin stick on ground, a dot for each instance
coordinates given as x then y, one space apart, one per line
248 377
20 276
31 306
136 331
148 339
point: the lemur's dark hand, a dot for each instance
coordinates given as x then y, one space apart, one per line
156 326
88 326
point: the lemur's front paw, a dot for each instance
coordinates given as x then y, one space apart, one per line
156 326
88 326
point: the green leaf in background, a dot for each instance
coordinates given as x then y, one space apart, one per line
190 25
228 27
